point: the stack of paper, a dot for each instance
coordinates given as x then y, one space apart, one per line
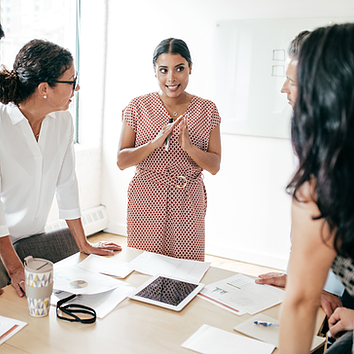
103 303
211 340
157 264
93 289
240 294
109 266
76 280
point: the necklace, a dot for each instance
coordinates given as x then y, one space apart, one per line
175 112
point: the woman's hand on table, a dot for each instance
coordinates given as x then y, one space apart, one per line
272 278
329 302
102 248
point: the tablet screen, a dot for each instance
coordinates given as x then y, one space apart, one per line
167 292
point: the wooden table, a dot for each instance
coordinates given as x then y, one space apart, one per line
132 327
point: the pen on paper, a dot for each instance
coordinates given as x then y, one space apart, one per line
167 141
266 324
8 332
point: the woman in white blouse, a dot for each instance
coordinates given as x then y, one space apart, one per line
37 160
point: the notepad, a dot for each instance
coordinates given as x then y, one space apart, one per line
268 334
211 340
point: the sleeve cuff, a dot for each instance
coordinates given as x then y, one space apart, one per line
333 285
4 231
70 214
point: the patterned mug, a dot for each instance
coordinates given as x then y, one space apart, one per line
38 285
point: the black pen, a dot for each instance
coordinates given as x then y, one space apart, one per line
167 141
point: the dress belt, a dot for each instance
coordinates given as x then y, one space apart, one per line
179 180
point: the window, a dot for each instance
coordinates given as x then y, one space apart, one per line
53 20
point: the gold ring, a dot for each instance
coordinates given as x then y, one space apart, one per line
185 182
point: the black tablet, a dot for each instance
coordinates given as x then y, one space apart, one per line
171 293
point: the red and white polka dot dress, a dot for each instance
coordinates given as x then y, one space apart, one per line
166 198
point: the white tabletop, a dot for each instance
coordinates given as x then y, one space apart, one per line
132 327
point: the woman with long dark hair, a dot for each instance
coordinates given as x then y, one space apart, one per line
323 186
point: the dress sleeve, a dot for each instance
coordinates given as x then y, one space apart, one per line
67 191
4 231
215 119
130 116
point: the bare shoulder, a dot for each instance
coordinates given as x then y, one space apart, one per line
305 200
307 222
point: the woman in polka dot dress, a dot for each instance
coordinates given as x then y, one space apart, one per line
166 197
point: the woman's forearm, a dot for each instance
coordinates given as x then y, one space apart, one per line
208 161
9 256
132 156
297 323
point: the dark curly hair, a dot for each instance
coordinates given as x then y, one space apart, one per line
172 46
322 128
38 61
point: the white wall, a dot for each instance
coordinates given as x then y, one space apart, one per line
248 214
92 76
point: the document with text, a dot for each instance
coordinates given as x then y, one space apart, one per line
240 294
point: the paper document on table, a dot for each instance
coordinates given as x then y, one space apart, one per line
241 293
211 340
269 334
153 264
76 280
9 327
102 303
106 265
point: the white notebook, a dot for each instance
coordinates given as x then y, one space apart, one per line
268 334
211 340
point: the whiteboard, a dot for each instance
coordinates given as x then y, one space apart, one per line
250 62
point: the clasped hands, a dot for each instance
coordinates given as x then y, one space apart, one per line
183 138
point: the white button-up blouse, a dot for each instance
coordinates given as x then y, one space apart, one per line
31 172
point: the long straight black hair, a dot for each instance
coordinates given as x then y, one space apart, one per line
322 128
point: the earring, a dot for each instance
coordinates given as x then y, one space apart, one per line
44 96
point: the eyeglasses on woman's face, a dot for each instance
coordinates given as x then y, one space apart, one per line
74 82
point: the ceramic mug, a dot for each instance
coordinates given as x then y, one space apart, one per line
38 285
